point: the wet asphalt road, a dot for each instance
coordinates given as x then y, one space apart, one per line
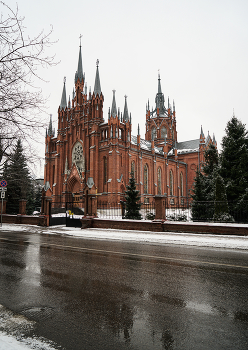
111 295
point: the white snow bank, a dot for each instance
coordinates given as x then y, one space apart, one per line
13 328
192 239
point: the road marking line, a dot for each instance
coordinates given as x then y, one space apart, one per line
129 254
145 256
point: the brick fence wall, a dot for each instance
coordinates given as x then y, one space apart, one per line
165 226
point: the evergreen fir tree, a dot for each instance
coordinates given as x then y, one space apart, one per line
210 170
199 197
221 210
234 160
132 200
17 174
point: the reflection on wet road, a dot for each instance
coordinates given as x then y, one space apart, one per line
85 294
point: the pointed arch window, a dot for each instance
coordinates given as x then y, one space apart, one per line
159 181
105 169
154 133
133 168
163 132
171 183
181 184
145 179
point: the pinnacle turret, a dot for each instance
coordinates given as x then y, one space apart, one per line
97 87
50 128
113 109
125 113
63 103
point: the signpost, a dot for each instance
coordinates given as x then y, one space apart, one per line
3 189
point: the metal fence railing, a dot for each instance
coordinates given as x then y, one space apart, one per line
202 211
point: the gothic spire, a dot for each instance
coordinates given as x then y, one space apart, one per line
125 113
202 134
50 128
159 85
97 88
160 98
63 103
79 73
113 109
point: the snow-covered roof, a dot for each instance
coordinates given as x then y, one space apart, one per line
188 146
146 145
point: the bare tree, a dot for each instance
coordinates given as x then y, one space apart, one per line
21 56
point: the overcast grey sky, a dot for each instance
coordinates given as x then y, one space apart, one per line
199 46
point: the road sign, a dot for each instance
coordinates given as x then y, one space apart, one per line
3 183
2 194
3 189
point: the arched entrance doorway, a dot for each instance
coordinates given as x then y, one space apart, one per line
74 189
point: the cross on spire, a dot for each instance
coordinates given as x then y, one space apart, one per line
80 36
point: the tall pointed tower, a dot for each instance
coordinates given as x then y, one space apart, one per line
161 122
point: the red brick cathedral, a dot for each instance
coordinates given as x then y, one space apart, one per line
91 154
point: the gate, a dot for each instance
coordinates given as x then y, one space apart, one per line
74 212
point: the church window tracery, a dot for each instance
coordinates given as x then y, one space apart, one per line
78 157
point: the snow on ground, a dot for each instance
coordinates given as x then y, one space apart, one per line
192 239
13 330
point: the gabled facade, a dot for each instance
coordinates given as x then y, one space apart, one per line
89 152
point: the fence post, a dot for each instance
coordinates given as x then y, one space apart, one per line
22 206
160 206
122 209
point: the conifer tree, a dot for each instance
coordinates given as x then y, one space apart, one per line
210 170
20 186
221 210
234 167
199 197
234 160
132 200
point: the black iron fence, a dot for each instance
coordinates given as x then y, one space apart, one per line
116 210
219 211
211 211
